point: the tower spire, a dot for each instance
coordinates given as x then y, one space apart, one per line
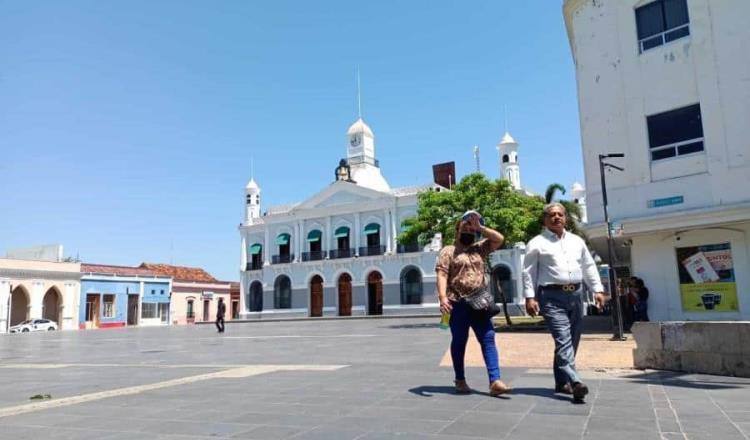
359 97
476 156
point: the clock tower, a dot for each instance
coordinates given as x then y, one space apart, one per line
360 156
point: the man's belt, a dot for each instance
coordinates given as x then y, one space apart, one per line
564 287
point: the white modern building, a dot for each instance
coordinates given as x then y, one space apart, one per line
667 83
337 252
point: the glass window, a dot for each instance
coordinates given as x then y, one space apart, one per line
660 22
109 306
162 292
149 311
676 132
164 312
190 311
411 286
282 293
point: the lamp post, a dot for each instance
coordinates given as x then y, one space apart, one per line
618 327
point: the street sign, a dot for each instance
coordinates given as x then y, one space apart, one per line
666 201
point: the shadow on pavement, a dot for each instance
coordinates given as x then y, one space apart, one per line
430 390
408 326
677 379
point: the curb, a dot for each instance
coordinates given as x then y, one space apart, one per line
323 318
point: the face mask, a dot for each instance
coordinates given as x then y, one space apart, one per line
466 238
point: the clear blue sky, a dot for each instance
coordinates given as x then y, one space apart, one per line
127 128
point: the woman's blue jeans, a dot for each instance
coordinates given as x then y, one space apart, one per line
463 317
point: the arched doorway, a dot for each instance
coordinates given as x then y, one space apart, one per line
19 305
502 279
374 293
282 293
411 286
255 297
316 296
52 306
345 294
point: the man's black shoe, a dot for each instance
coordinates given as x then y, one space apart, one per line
579 392
563 388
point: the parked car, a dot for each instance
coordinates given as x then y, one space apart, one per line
34 325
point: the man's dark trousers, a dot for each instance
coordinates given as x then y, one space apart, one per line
563 314
220 324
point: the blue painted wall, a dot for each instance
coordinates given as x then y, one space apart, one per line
156 292
104 285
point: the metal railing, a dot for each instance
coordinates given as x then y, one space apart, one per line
341 253
366 251
282 259
254 266
313 255
408 248
681 148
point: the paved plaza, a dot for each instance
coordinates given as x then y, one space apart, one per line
337 379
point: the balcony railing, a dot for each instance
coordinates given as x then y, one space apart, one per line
341 253
367 251
258 265
408 248
281 259
313 255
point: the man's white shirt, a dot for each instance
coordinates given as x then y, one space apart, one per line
558 260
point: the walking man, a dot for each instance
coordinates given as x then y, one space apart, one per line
557 262
221 309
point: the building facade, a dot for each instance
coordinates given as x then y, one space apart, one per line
119 296
195 293
31 289
667 83
337 253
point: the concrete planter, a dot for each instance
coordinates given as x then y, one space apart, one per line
712 347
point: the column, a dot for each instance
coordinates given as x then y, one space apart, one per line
328 236
298 255
243 253
4 297
395 231
387 227
37 296
267 248
357 233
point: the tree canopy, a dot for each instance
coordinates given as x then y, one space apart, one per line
516 215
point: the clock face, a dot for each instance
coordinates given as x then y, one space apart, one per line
355 140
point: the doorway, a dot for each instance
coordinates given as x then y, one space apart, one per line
345 295
132 309
375 293
316 296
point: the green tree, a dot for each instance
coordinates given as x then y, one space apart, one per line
514 214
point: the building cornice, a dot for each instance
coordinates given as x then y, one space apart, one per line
678 220
39 274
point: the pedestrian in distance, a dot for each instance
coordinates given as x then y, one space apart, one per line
221 310
556 264
460 270
641 307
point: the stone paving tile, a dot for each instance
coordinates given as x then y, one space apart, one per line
330 433
269 433
536 426
599 427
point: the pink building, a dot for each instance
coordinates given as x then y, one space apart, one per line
195 293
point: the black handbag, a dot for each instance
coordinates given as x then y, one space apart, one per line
481 300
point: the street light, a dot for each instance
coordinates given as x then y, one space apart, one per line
618 330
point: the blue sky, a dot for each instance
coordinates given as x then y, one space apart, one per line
127 128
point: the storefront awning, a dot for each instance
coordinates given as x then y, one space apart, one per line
314 236
282 239
343 231
255 249
372 228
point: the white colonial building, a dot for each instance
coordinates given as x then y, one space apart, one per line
667 83
39 288
337 252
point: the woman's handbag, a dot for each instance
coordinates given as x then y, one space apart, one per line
482 300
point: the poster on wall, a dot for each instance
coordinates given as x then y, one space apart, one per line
707 278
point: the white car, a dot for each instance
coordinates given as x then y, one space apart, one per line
34 325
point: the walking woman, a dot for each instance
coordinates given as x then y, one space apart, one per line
460 272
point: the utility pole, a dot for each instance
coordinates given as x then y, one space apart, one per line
619 334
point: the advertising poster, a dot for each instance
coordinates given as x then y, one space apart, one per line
707 278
